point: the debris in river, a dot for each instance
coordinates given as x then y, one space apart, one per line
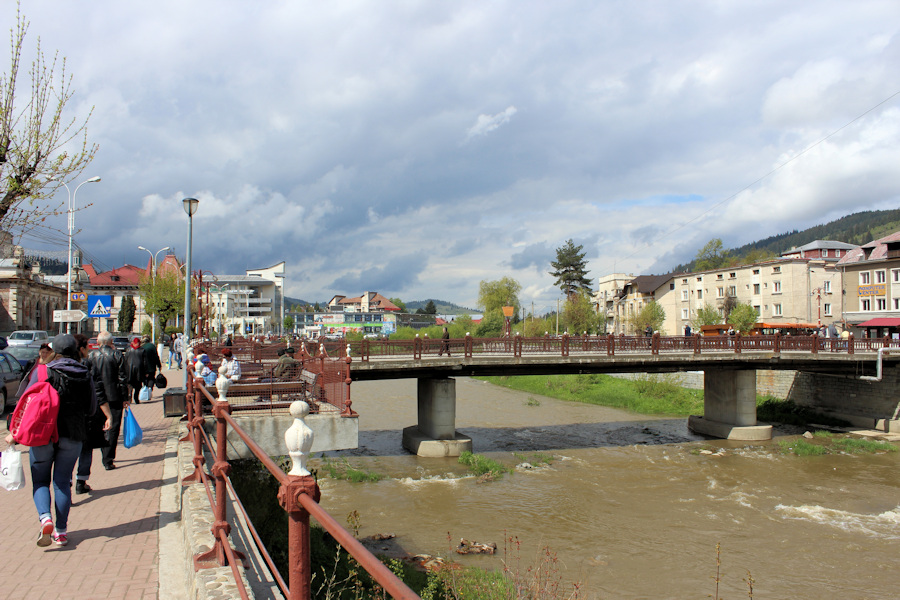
473 547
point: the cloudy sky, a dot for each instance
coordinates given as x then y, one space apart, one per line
417 148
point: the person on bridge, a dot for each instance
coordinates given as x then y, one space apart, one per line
232 366
445 343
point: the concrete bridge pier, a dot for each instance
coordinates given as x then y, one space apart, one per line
435 435
729 407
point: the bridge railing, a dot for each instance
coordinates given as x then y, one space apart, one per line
298 494
611 345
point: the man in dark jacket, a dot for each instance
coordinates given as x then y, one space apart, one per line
151 362
108 371
134 369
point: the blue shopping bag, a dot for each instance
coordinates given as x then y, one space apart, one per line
133 433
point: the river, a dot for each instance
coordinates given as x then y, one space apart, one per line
632 505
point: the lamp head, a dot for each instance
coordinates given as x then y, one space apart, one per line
93 180
190 206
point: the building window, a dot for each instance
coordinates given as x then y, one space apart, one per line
756 271
864 278
776 287
776 310
826 286
684 294
865 305
684 314
699 279
732 291
879 277
895 275
699 294
720 276
756 289
672 286
776 269
880 304
720 292
684 281
896 303
756 308
827 309
732 275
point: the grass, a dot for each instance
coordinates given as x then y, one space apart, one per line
824 442
482 466
342 469
535 458
650 395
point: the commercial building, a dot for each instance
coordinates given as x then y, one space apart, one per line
250 304
871 287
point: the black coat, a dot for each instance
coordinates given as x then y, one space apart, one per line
110 376
72 380
134 367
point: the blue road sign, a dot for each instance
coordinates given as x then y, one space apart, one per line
99 306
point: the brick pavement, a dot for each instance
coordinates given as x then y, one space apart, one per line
114 541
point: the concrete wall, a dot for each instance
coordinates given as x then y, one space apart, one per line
332 432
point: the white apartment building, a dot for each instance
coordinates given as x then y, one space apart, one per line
251 304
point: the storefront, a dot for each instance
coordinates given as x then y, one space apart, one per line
881 327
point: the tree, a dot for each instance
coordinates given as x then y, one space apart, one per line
430 308
126 314
289 323
40 149
708 315
651 314
579 315
164 297
398 303
493 295
743 317
492 323
711 256
569 269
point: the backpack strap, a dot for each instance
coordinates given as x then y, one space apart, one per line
43 375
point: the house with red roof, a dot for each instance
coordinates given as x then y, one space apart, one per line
871 287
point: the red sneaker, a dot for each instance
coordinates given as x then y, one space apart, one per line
44 535
61 539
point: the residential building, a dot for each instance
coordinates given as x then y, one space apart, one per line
827 250
251 304
634 295
871 287
27 297
608 296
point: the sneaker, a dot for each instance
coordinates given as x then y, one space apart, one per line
82 487
44 536
61 539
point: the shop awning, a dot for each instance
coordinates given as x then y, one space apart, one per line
883 322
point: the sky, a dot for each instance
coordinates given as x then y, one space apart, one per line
418 148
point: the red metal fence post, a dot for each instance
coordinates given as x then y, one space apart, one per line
850 348
194 426
611 345
737 342
299 563
468 347
216 556
654 343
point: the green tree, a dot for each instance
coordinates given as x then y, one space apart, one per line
430 308
399 303
569 269
743 317
164 297
464 324
492 324
493 295
651 314
578 314
708 315
41 147
288 323
711 256
126 314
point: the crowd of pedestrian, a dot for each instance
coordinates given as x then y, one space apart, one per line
94 390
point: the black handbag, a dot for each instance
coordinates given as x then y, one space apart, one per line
160 381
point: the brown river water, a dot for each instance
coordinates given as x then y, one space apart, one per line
629 505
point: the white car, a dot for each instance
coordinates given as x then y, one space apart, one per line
33 338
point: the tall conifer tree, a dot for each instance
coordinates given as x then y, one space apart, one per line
570 269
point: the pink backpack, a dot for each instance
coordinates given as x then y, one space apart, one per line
34 419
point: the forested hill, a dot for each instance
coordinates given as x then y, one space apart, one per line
857 229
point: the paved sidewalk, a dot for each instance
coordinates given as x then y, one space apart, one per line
114 532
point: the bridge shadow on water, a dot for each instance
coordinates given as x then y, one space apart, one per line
541 438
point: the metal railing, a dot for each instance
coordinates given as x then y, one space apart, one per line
611 345
298 495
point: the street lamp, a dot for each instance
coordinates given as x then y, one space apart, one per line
154 262
71 210
190 207
219 318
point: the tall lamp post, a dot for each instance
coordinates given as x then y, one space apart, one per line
190 207
71 210
154 263
219 318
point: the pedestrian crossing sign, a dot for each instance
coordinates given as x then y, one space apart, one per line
99 305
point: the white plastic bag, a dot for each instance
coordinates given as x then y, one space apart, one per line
144 395
12 473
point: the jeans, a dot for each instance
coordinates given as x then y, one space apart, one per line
85 460
54 462
115 425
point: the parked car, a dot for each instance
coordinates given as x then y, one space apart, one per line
29 337
122 342
24 354
92 344
11 372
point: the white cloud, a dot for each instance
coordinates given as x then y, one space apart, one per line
488 123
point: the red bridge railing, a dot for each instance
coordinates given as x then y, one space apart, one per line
298 495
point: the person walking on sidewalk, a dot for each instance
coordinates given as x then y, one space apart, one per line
134 369
108 371
151 363
178 348
55 461
96 424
